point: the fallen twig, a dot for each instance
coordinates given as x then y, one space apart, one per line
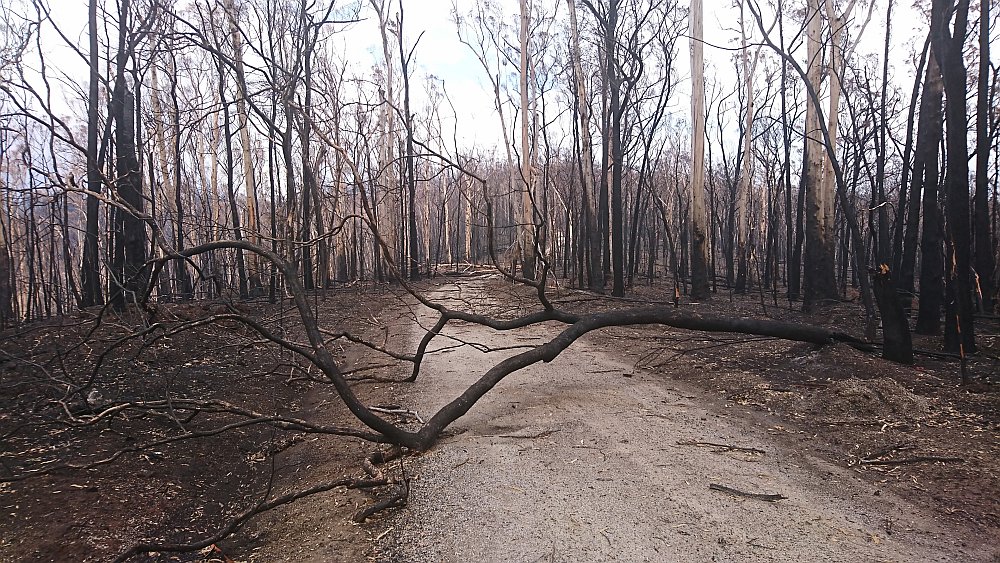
909 460
722 447
234 524
738 493
401 412
753 543
540 434
882 453
376 477
397 499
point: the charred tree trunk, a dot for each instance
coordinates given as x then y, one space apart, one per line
930 130
959 335
6 277
591 232
897 345
908 207
413 263
131 239
795 260
241 271
184 288
91 276
984 247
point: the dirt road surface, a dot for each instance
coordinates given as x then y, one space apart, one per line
587 459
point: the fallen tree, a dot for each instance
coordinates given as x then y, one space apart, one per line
318 353
374 424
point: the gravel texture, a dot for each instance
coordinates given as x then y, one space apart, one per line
580 460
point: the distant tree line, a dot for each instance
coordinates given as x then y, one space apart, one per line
798 170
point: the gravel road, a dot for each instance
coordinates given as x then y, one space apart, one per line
584 459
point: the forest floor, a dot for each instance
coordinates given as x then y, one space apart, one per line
183 491
590 457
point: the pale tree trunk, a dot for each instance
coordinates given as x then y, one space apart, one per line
838 24
249 175
213 152
819 279
160 140
290 192
833 114
743 191
387 215
541 226
595 274
526 231
164 171
699 230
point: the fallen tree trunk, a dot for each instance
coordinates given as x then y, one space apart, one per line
667 316
578 325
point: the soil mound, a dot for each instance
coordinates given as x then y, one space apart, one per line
870 398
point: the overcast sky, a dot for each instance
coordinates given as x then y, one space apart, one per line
440 53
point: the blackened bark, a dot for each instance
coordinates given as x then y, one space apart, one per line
413 264
959 334
984 249
930 130
6 287
795 262
897 346
241 270
91 277
908 205
130 240
185 287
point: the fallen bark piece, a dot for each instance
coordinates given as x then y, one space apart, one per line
738 493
